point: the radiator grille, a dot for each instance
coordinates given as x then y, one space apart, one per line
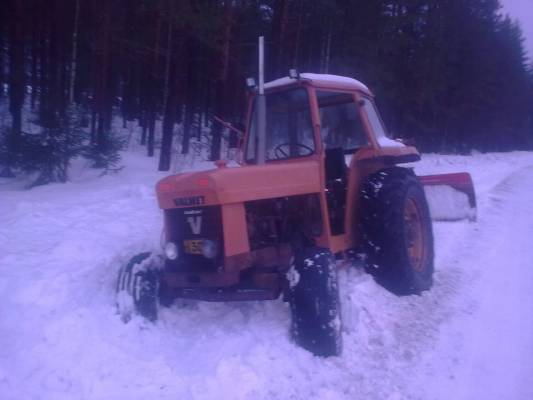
188 226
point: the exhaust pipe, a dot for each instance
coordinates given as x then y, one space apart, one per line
261 106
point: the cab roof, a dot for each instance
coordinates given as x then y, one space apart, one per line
323 81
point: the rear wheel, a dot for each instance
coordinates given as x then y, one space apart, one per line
138 288
314 302
397 232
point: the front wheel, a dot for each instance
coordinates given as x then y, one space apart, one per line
397 232
314 302
138 288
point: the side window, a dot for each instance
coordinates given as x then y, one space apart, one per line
341 126
368 106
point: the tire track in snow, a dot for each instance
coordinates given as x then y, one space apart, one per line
485 349
500 343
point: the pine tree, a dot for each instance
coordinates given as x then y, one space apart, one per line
17 81
451 74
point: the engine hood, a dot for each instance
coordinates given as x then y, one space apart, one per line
225 185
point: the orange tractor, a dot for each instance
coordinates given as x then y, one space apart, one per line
318 180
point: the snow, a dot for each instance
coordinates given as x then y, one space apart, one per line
492 320
293 277
470 337
447 204
386 142
279 82
327 78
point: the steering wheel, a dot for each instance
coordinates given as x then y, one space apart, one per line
280 152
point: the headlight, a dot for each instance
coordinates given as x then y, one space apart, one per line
171 251
210 248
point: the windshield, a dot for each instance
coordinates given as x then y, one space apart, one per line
373 118
289 131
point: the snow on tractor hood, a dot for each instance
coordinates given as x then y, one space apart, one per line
234 185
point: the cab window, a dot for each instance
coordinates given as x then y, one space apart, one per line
374 119
340 123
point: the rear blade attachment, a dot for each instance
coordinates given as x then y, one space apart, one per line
451 197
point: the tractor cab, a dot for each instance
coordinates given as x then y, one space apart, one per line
329 118
313 114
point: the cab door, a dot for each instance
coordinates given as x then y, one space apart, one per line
342 133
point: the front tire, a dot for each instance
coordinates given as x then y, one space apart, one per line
396 231
314 302
138 288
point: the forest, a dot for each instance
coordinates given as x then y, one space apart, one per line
451 76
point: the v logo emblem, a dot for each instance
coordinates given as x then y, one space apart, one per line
195 224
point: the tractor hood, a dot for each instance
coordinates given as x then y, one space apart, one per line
225 185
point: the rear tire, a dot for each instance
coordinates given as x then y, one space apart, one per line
314 302
138 288
396 231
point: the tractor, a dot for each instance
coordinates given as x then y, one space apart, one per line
318 180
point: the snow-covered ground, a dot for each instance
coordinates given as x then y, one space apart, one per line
470 337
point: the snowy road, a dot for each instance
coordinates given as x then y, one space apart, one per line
496 325
470 337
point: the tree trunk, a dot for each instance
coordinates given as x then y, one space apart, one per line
102 96
43 65
2 51
144 125
151 133
168 133
189 98
94 115
152 113
207 102
279 28
216 130
199 124
74 53
17 80
222 79
189 111
169 102
167 63
17 76
36 31
299 25
328 48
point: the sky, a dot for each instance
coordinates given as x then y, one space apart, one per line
523 11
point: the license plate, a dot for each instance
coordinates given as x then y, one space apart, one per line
192 246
